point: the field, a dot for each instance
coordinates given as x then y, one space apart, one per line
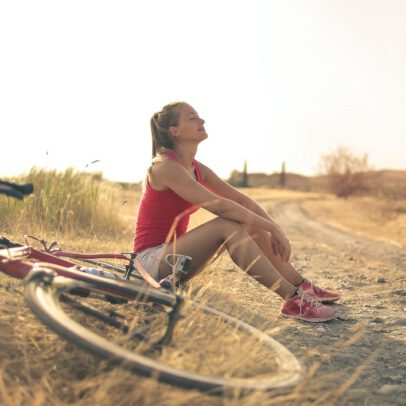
356 246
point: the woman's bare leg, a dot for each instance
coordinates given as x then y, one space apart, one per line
286 269
202 243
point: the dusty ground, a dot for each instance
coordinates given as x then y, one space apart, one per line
358 359
371 275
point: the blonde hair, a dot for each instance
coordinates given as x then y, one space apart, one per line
161 138
160 123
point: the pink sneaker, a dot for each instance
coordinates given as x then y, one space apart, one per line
323 296
302 306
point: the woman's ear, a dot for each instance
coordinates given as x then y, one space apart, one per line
173 131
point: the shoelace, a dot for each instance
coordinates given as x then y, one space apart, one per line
304 297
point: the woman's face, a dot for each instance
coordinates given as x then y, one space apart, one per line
190 126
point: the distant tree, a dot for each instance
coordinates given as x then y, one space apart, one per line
282 175
239 179
244 181
345 171
235 178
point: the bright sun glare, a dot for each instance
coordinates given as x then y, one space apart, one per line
274 81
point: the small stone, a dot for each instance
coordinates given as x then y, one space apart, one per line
343 318
350 258
346 357
399 292
399 322
384 389
381 279
395 378
378 320
359 391
321 329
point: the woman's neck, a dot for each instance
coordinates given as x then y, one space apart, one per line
186 155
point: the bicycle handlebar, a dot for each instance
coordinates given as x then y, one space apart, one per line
15 190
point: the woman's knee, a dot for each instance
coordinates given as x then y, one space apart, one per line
256 233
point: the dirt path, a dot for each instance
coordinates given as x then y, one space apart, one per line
362 352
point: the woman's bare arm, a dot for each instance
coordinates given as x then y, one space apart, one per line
217 185
176 178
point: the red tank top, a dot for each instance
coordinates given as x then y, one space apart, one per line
157 212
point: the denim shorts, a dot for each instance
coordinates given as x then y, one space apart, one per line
149 259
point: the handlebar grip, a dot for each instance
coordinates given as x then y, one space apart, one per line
15 190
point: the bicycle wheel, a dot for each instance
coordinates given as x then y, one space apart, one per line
204 347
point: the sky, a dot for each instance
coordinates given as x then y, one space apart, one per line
275 81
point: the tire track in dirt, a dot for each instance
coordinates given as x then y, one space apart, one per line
297 221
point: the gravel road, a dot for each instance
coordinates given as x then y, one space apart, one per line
362 353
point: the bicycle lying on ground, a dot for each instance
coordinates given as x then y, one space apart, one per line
127 318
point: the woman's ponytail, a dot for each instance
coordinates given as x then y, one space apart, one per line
160 123
154 132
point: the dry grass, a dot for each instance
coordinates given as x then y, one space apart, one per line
381 219
64 203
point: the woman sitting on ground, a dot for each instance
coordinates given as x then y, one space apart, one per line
177 183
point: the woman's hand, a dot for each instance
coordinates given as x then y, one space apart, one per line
280 244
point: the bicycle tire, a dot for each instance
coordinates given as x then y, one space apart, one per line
43 292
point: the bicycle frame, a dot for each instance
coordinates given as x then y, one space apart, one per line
18 262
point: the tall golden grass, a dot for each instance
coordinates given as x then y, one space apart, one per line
64 202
